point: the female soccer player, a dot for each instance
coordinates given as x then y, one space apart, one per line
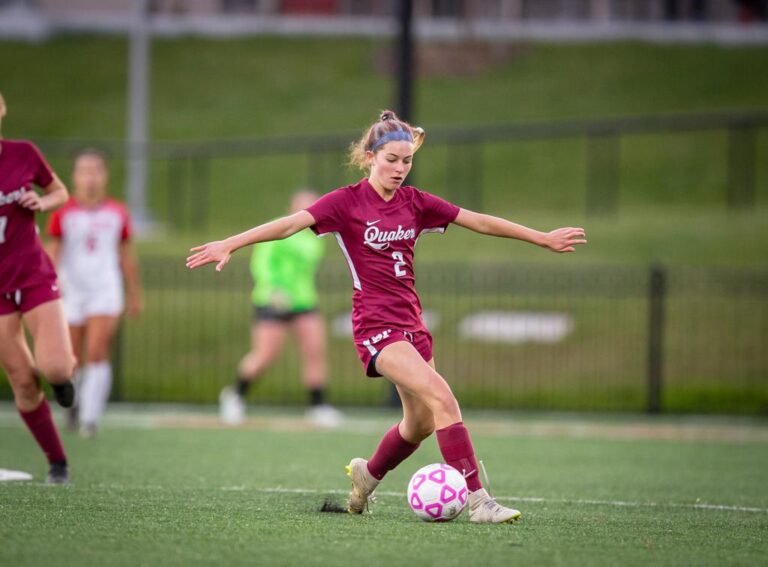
29 296
285 298
376 223
92 250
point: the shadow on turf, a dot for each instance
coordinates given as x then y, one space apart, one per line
330 504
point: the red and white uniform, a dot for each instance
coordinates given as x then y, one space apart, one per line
89 264
377 238
27 275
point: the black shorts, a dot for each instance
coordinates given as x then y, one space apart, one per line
269 313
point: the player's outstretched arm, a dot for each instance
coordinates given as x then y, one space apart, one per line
558 240
220 251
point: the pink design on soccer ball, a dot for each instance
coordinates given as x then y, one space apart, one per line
446 467
447 494
463 496
437 476
435 510
418 481
416 502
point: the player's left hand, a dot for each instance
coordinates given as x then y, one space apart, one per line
565 239
32 201
216 251
134 305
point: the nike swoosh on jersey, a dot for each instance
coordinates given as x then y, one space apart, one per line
371 223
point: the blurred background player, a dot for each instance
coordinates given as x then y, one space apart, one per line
285 298
91 246
29 296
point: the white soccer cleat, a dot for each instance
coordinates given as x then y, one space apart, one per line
88 430
324 416
363 485
483 509
231 407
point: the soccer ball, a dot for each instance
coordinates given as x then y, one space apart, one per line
437 493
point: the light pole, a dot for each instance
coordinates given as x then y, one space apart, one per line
138 117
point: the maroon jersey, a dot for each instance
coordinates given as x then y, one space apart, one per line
23 262
377 238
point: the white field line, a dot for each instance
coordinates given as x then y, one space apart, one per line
533 499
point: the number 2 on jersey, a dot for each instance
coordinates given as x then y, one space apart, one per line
3 225
399 271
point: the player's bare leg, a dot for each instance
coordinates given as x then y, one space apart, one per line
267 338
96 371
54 358
398 444
309 330
77 336
404 366
18 364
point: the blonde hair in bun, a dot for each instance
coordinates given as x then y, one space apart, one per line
388 127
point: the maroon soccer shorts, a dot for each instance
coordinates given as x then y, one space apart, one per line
26 299
368 348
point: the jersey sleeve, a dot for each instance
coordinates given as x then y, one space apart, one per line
43 174
329 212
436 213
54 225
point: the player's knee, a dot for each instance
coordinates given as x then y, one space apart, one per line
444 403
57 370
25 385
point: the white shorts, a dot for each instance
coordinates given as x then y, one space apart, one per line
78 307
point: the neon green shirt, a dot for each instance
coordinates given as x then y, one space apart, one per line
284 271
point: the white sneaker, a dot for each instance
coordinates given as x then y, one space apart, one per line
363 485
485 510
324 416
231 407
88 430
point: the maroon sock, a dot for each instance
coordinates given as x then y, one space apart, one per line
40 422
392 451
457 450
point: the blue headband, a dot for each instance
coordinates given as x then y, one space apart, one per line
396 136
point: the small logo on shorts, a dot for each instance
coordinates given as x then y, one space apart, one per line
54 288
380 337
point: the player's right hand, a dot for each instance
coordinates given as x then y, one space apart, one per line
216 251
31 200
565 239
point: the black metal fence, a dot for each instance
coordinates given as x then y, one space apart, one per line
605 163
617 338
653 339
650 339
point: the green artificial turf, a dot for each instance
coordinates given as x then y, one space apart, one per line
203 495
